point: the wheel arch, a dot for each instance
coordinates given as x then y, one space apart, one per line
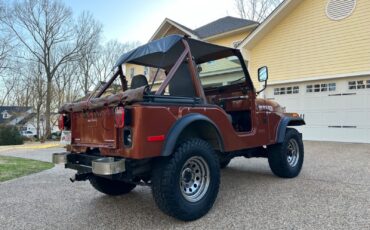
193 125
283 125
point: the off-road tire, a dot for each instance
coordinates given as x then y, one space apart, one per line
224 163
111 187
278 155
167 181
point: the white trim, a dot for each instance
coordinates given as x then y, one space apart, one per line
182 29
269 23
327 77
173 23
230 32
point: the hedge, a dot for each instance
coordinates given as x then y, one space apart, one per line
9 135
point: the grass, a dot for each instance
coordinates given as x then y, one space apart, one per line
13 167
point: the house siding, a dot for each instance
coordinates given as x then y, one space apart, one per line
306 43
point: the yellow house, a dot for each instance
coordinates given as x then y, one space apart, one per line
227 31
318 55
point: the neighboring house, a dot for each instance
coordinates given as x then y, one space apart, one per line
30 124
318 55
227 31
24 119
14 115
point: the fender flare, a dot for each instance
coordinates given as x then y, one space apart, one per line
180 125
284 123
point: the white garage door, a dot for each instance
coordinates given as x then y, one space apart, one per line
334 110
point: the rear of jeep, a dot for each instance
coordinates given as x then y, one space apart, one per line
175 138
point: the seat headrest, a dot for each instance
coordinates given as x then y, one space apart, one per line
138 81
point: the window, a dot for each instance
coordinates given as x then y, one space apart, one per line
360 84
317 88
146 71
332 86
295 89
321 87
351 85
132 72
5 114
324 87
289 90
221 72
286 90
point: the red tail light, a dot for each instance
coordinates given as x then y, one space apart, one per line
119 114
61 122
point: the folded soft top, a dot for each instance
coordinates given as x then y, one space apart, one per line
127 97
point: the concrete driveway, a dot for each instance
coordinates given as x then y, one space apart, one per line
332 192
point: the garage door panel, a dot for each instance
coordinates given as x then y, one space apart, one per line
356 118
329 102
353 101
340 115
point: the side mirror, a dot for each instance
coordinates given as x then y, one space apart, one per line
263 74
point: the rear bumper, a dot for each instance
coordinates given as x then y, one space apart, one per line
98 165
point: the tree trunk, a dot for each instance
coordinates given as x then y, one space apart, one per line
38 109
86 86
47 110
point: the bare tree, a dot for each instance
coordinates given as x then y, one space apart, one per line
89 54
47 30
108 55
6 45
256 10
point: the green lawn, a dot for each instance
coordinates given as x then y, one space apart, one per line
13 167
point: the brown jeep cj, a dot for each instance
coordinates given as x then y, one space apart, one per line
176 136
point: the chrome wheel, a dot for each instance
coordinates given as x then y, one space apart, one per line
194 179
293 153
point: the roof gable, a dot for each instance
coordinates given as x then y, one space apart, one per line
220 26
166 25
13 111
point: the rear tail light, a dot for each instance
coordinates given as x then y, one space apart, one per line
119 115
61 122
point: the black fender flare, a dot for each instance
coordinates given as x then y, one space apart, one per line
180 125
284 123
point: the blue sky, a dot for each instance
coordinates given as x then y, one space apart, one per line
137 20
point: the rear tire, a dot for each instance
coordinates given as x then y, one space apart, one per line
111 187
286 159
185 185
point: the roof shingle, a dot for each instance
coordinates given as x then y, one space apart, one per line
222 25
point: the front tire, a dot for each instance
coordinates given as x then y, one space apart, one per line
185 185
286 159
111 187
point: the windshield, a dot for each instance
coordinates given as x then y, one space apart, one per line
221 72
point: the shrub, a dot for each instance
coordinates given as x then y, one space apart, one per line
9 135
